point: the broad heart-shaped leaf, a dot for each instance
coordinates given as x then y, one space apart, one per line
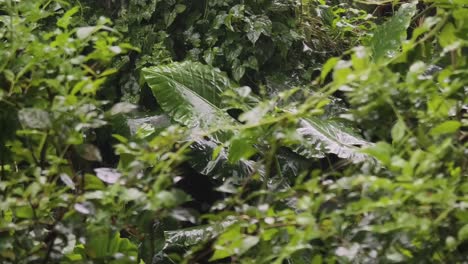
190 93
328 136
387 38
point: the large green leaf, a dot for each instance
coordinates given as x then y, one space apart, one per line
190 93
387 38
328 136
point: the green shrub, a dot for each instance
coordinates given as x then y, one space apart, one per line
366 163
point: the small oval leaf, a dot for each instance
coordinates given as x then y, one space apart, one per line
108 175
89 152
446 127
67 180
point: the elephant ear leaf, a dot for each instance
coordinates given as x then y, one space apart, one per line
190 93
329 136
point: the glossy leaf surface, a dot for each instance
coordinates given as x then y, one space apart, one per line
388 37
324 136
190 93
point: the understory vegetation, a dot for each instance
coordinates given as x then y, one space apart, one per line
233 131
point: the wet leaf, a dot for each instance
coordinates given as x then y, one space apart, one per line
190 93
387 38
194 235
325 136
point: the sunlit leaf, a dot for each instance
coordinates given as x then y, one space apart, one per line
233 242
447 35
85 208
84 32
122 108
24 212
446 127
381 151
67 180
65 20
108 175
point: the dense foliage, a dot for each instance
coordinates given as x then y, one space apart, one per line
267 131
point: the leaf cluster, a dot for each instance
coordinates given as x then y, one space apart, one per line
232 132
